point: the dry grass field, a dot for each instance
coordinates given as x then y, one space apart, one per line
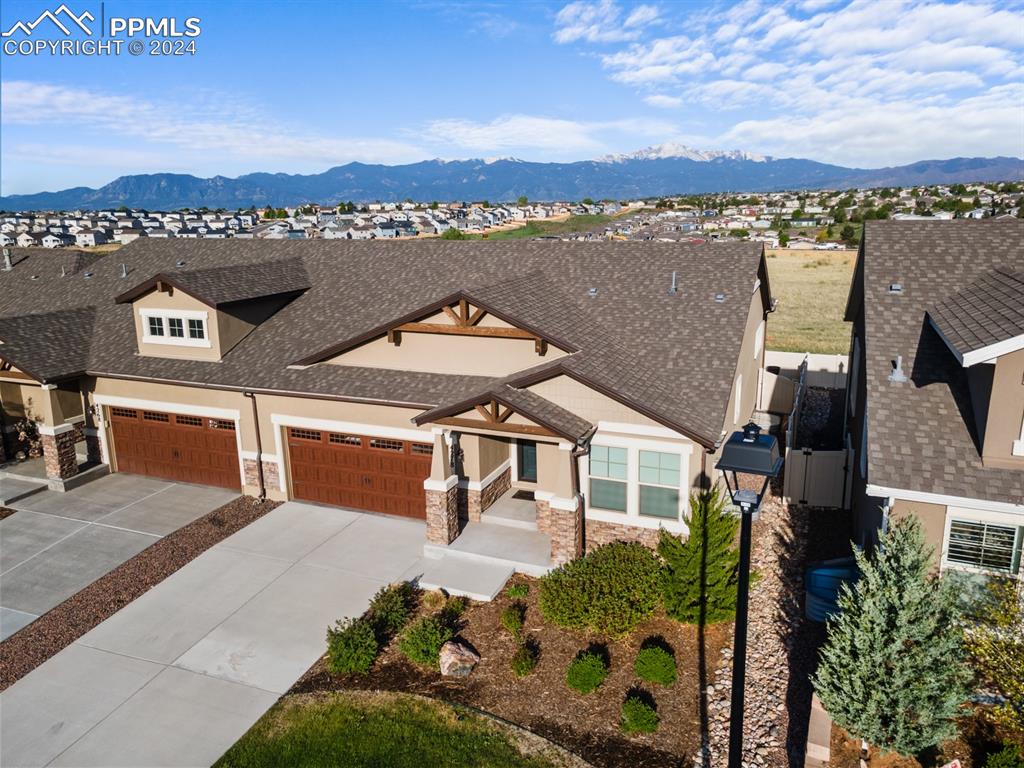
812 287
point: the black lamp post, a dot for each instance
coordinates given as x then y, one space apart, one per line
747 453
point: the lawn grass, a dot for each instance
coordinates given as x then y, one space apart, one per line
353 730
812 288
539 228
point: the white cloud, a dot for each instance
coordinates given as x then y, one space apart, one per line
536 133
663 101
601 22
802 65
200 125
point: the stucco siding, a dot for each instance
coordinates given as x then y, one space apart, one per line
1005 413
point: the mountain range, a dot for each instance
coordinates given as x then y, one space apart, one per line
660 170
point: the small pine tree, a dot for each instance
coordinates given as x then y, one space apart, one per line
701 571
892 670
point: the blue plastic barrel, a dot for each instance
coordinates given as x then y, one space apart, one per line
822 582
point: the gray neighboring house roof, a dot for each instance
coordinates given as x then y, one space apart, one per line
672 357
923 435
988 311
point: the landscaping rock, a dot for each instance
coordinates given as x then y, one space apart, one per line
457 660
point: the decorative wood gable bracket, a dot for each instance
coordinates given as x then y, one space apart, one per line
465 322
495 415
8 371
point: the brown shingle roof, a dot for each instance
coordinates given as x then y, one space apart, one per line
223 285
986 312
923 435
675 355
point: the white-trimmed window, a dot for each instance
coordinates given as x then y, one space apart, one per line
984 545
609 473
635 480
183 328
659 484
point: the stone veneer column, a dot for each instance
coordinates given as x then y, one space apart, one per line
271 474
562 520
58 453
442 510
93 449
476 502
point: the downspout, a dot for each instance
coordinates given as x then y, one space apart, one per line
259 445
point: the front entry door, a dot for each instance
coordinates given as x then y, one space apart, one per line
526 459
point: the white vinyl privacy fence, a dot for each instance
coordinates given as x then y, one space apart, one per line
817 478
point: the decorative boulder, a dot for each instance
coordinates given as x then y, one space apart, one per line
457 660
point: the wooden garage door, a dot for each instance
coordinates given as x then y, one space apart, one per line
358 471
188 449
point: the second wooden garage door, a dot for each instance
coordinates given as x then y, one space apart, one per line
358 471
188 449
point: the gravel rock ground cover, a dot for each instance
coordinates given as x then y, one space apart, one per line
782 645
58 628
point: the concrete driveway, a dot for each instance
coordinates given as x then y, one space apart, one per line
177 676
58 543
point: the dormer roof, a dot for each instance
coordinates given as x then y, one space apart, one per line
215 286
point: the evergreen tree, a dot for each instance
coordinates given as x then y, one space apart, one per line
701 571
892 670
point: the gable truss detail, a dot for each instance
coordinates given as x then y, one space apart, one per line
465 322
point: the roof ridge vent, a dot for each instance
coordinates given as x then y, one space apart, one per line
897 375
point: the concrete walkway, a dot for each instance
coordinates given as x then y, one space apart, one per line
58 543
177 676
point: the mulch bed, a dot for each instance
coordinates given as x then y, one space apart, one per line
5 512
542 702
62 625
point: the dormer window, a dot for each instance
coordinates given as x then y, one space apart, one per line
169 327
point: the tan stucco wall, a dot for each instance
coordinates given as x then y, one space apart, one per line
933 522
19 400
435 353
747 367
1005 413
586 402
177 300
554 470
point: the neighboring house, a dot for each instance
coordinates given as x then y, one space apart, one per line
941 303
423 379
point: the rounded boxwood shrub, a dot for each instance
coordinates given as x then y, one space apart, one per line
638 715
422 640
608 591
586 672
513 618
655 665
351 646
524 660
390 609
517 591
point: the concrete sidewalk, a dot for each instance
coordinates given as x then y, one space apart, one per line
177 676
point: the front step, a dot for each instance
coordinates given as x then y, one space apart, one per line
466 578
523 551
14 489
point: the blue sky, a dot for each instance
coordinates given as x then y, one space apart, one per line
300 86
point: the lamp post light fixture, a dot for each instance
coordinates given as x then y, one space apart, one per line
745 453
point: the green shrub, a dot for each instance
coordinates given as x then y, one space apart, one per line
351 646
517 591
1008 757
390 609
586 672
513 618
609 591
638 715
655 665
524 660
422 640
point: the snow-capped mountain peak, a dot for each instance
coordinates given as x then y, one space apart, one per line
671 149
